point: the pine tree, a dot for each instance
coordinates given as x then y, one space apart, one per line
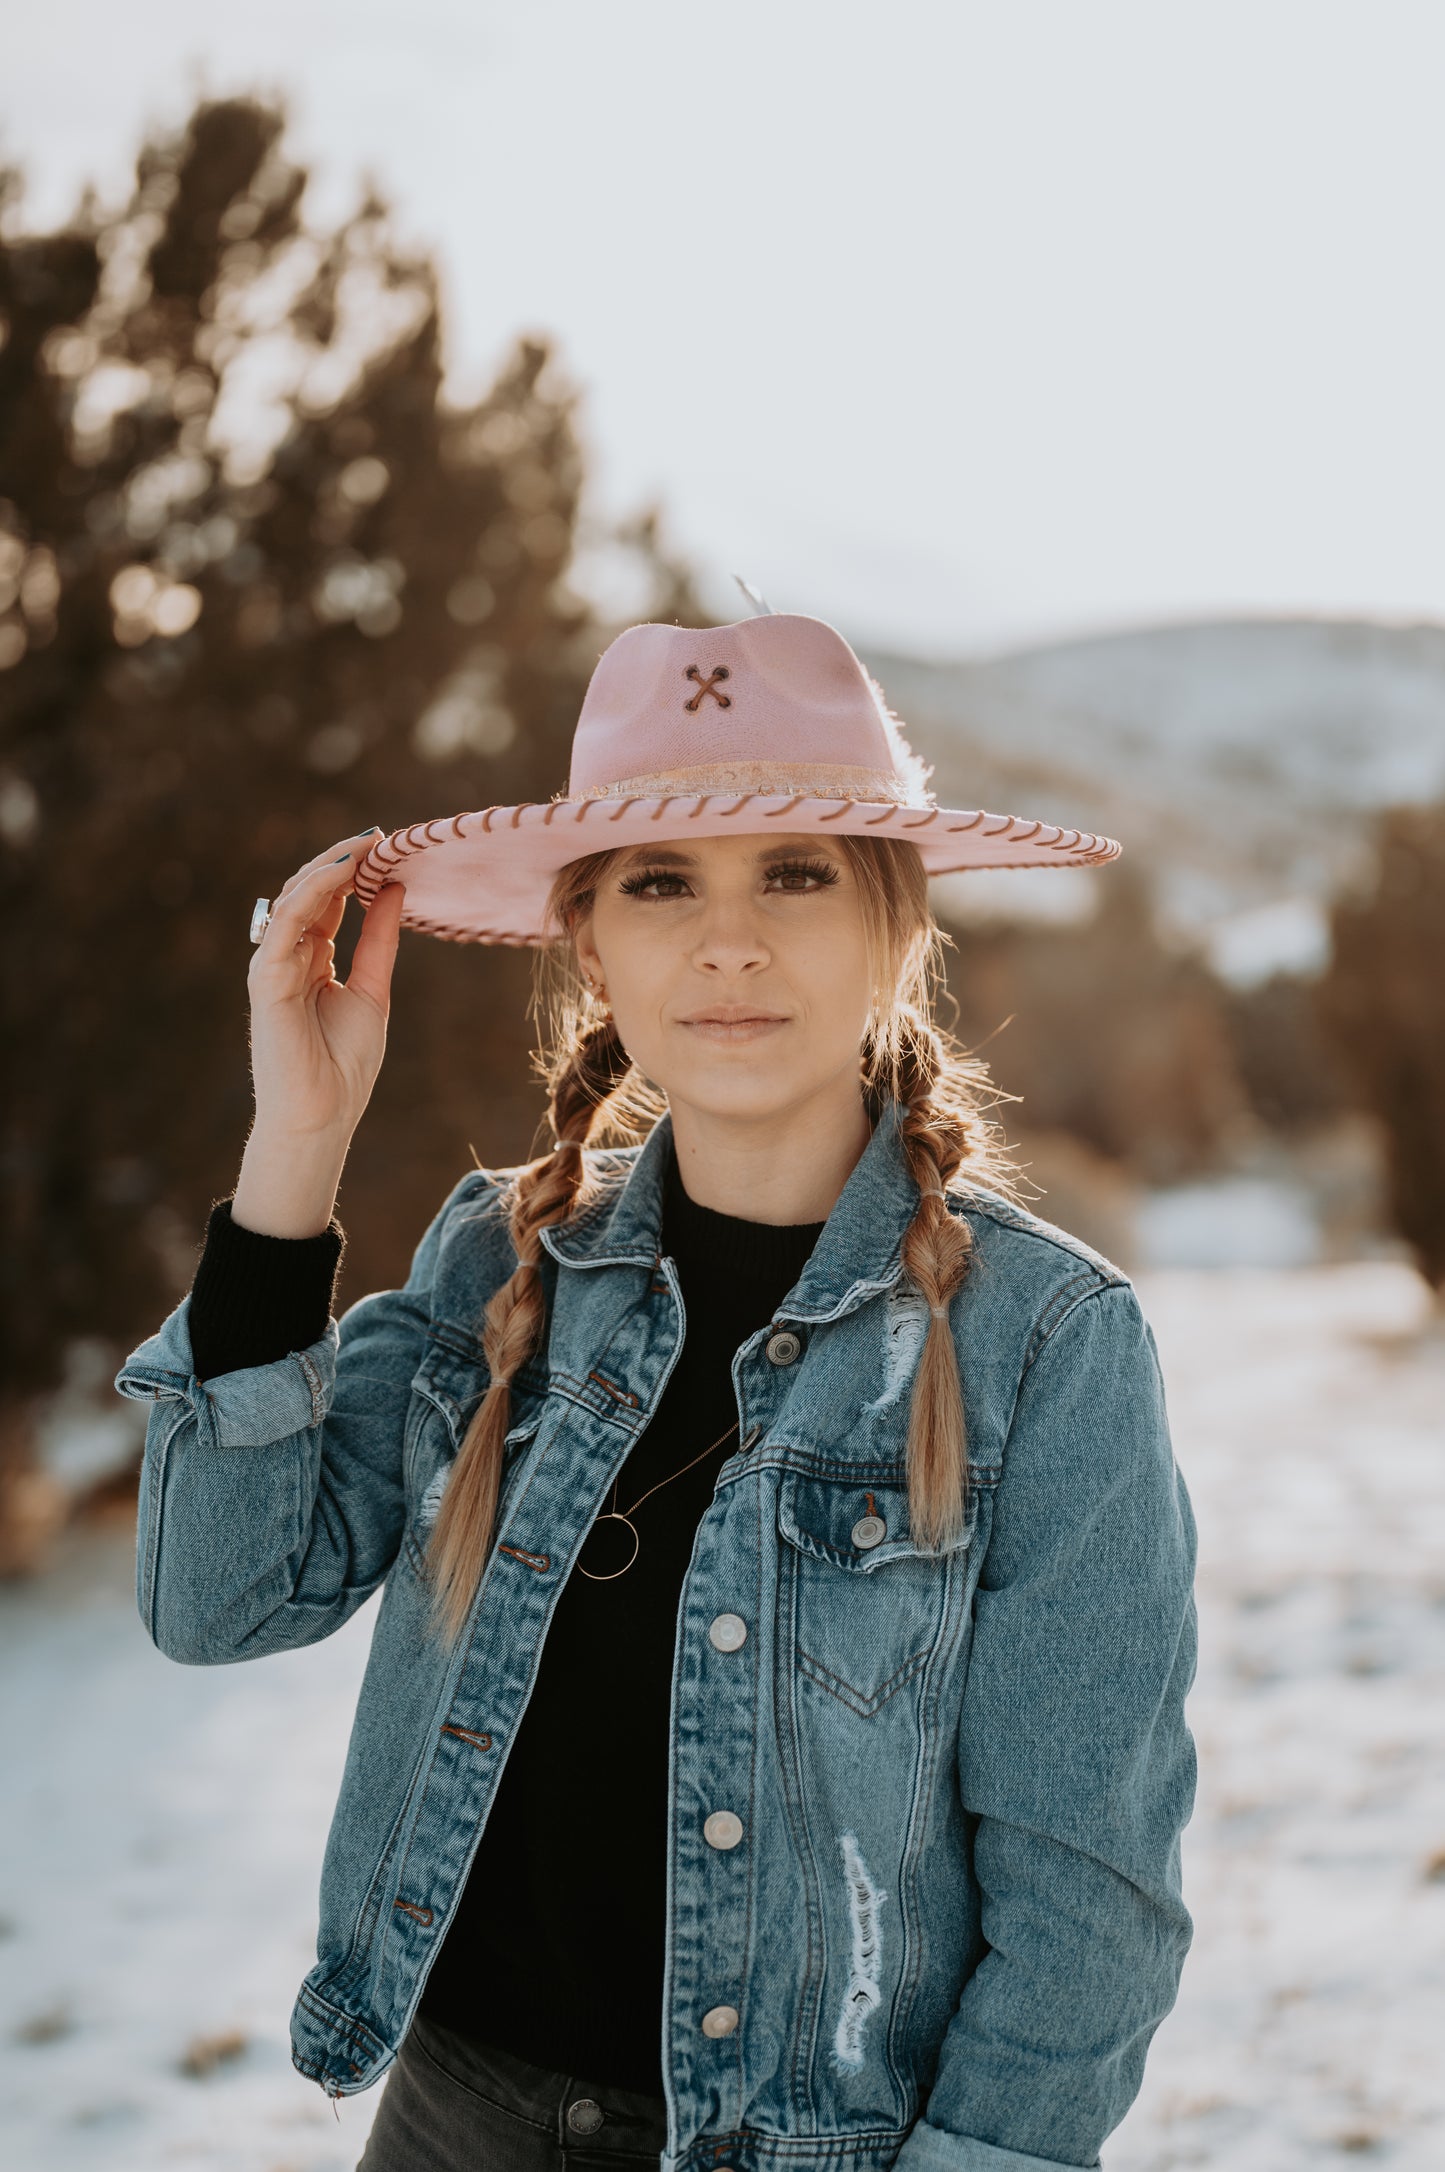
261 584
1382 1000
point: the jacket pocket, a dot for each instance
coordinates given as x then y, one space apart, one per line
863 1604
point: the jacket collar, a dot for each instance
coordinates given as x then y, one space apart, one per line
858 1252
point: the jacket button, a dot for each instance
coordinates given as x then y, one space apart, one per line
724 1829
585 2116
727 1631
719 2021
868 1530
783 1347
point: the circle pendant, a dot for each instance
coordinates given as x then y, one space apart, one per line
609 1515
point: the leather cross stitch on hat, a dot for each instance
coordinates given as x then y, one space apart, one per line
771 723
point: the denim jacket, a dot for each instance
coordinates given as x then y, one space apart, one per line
952 1919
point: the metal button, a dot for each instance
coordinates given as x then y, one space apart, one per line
585 2116
868 1530
784 1346
724 1829
719 2021
727 1631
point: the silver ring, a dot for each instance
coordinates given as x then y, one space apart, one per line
260 918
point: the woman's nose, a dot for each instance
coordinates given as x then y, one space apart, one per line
730 935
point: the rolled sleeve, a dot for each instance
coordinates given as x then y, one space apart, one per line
933 2149
271 1496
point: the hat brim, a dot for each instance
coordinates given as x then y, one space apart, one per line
484 877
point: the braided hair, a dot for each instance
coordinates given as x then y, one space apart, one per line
596 1096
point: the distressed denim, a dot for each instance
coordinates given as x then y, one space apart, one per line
953 1918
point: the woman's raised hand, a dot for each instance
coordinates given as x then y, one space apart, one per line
316 1042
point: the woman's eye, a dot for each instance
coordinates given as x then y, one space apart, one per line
819 872
634 885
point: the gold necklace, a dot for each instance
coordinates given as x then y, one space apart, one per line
619 1515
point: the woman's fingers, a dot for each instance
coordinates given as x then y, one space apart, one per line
314 1055
315 904
375 952
357 845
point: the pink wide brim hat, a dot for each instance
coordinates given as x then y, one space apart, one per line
769 724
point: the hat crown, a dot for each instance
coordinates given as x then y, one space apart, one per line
697 732
776 703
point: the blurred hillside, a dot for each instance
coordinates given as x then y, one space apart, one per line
1239 762
1189 1066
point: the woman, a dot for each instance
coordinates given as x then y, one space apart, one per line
771 1750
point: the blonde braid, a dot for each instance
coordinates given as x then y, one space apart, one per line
514 1323
937 1251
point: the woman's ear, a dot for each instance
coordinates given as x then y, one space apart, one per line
589 964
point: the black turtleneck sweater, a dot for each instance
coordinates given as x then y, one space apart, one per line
569 1972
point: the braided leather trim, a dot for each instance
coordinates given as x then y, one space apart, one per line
1068 848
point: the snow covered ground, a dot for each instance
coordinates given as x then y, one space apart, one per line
1308 1412
164 1825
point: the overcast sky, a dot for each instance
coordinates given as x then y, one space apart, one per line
959 325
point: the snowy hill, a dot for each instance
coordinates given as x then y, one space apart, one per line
1237 759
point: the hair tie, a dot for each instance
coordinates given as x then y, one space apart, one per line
939 1311
932 1191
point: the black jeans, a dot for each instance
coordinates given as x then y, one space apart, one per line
450 2105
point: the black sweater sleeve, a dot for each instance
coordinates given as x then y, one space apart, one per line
255 1298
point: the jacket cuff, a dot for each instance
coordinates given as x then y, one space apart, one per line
248 1408
933 2149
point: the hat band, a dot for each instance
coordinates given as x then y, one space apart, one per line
816 780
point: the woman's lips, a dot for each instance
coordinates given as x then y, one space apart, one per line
742 1029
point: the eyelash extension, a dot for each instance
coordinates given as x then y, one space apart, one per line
642 877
